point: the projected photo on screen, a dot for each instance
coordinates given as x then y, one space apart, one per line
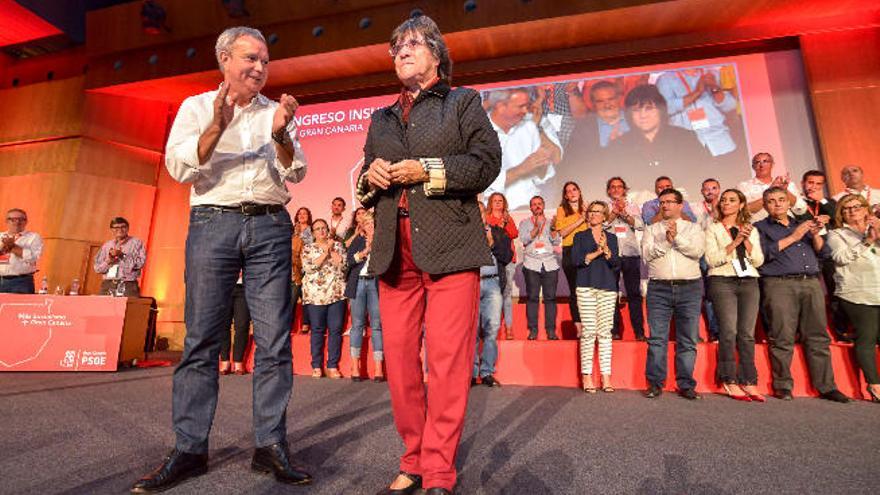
688 120
683 123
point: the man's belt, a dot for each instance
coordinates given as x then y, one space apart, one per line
16 277
798 276
675 281
484 277
247 209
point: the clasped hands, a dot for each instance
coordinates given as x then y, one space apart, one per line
382 174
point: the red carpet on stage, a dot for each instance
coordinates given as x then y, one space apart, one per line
557 363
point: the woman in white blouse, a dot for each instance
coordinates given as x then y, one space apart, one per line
323 285
733 253
855 249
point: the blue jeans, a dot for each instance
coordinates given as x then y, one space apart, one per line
17 285
367 300
219 245
664 303
326 318
490 322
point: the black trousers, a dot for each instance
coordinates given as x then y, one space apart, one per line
866 320
536 282
631 270
241 323
570 272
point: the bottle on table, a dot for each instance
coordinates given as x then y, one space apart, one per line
44 286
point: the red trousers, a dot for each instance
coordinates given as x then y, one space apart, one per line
429 419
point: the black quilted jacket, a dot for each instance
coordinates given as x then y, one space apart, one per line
447 231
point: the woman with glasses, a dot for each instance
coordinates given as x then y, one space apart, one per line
595 256
426 158
323 287
855 249
570 219
733 253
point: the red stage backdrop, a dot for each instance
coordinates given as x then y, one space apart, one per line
60 333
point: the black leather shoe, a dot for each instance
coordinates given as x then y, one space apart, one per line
474 382
783 394
835 395
533 335
411 489
653 391
552 337
689 394
437 491
275 460
179 466
490 381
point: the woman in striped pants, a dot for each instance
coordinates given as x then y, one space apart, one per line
594 254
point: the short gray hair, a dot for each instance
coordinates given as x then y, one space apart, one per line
228 37
497 96
426 26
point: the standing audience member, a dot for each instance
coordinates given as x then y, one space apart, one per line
323 291
337 220
428 245
499 216
296 272
651 209
813 205
733 254
762 164
571 219
302 229
19 251
493 278
540 268
626 222
853 178
672 248
855 248
595 255
355 224
363 292
793 301
706 213
240 317
120 260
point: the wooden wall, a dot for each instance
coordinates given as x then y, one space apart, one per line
843 72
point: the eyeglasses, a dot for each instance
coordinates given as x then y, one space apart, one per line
118 227
411 43
16 219
765 160
601 212
852 208
320 229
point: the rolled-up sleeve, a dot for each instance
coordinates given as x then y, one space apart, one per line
296 172
182 150
31 251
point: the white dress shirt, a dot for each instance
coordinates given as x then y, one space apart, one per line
754 189
517 144
856 266
720 261
339 227
679 260
244 167
869 193
704 212
629 236
31 245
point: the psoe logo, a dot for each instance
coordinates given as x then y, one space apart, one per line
93 358
69 359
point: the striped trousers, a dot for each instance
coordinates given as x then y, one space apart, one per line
596 307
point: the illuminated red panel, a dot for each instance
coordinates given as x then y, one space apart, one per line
18 24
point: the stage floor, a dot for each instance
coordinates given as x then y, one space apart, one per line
96 433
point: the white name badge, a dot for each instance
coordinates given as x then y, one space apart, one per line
698 119
620 231
742 271
113 272
541 248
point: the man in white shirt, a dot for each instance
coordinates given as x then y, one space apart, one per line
706 213
236 147
528 151
338 222
762 164
19 252
853 178
672 249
